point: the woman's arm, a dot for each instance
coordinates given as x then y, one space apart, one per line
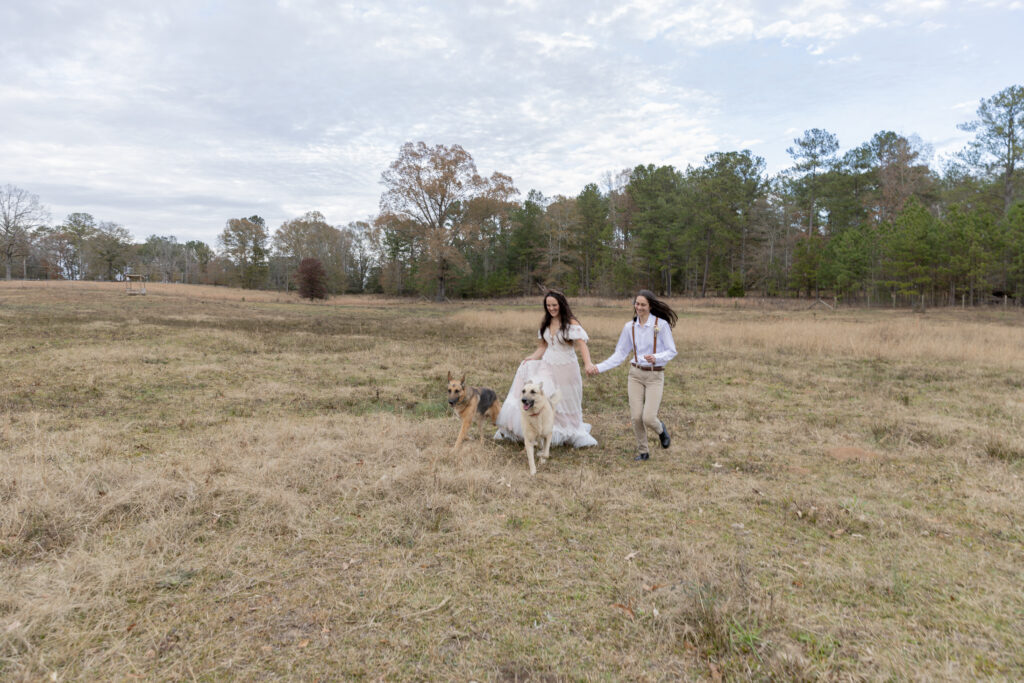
623 350
584 351
667 343
536 355
580 345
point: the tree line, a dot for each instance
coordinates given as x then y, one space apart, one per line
876 224
82 248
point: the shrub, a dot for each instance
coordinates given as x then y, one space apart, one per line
736 288
311 279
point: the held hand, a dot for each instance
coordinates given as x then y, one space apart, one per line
591 369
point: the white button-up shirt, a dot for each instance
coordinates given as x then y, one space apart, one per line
644 345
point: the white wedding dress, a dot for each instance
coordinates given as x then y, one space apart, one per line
559 370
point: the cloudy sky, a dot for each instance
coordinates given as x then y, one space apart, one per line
170 117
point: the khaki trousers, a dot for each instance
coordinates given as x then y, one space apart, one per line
645 388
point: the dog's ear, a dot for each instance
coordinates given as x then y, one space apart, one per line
449 375
463 381
540 385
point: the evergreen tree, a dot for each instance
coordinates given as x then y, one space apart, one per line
998 147
656 193
814 154
595 234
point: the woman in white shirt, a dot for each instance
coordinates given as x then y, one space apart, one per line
647 342
554 363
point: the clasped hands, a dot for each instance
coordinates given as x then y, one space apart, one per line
592 370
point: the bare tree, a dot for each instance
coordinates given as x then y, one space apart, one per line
365 253
163 256
310 236
426 196
20 212
561 223
200 254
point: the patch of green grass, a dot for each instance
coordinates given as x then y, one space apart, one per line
743 637
820 647
432 409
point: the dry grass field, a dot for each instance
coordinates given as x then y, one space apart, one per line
208 484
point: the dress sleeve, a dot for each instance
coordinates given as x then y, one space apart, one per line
577 332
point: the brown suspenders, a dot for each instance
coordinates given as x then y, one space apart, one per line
636 360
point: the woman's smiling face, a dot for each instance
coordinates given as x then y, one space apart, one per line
551 303
642 306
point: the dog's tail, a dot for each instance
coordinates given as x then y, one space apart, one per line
554 398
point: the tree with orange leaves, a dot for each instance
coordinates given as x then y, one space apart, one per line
435 198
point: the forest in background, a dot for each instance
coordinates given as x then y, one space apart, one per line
880 224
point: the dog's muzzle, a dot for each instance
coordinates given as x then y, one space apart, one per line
527 404
453 401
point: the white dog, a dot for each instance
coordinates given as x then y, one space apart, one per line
538 421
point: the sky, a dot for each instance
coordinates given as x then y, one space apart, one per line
171 117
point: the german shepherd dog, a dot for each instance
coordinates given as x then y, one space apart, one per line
471 403
538 421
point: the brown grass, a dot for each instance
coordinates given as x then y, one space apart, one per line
197 486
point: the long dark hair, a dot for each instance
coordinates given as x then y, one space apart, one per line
659 309
564 314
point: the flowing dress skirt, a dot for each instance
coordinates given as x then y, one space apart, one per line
565 380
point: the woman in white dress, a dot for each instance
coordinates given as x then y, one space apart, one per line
554 363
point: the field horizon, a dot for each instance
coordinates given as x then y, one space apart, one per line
207 483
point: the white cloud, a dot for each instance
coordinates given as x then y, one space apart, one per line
821 31
552 44
838 61
173 118
819 23
702 23
410 46
914 6
999 4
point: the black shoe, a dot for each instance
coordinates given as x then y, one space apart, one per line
643 456
666 440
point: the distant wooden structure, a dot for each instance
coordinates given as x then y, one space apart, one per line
829 306
135 284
